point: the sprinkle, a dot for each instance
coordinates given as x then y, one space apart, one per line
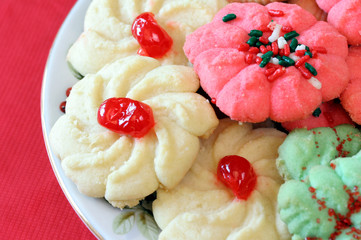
255 33
263 49
314 53
302 60
320 49
317 112
229 17
264 29
258 44
293 44
308 53
311 69
252 41
276 13
305 73
264 61
254 50
290 35
314 82
270 71
243 47
288 60
276 33
272 25
213 100
300 53
274 46
274 61
249 58
269 47
287 28
279 72
301 47
268 54
287 50
263 40
281 42
259 54
281 52
258 60
294 57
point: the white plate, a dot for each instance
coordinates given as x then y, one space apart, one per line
105 221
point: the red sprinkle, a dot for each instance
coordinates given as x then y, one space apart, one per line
243 47
287 50
278 73
287 29
300 53
274 48
264 29
213 100
67 93
249 58
302 60
305 72
269 48
263 40
258 60
276 13
314 53
281 52
263 49
254 50
320 49
269 71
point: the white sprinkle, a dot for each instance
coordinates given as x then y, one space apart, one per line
276 33
274 61
300 47
314 82
281 41
259 54
294 57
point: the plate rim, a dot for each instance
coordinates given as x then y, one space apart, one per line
60 181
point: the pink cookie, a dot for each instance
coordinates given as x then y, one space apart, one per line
345 15
248 90
351 97
329 114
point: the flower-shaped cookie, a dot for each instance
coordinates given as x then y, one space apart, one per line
255 68
108 36
327 204
351 97
304 149
264 2
329 114
122 168
201 207
345 15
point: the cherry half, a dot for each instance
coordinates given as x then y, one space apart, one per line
152 38
238 175
126 116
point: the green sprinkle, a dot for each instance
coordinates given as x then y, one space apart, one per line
255 33
293 44
229 17
290 35
288 60
317 112
307 48
309 53
267 55
258 44
252 41
311 69
264 62
283 63
278 57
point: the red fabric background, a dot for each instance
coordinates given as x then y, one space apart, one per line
32 205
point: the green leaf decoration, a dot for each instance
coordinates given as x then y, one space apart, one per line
147 225
124 222
74 72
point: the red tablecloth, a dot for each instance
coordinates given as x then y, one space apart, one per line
32 205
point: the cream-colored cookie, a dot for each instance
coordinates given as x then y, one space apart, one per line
107 32
201 207
122 168
264 2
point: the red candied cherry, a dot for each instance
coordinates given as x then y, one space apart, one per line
238 175
126 116
152 38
